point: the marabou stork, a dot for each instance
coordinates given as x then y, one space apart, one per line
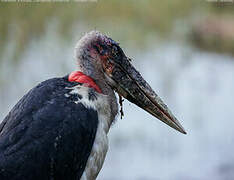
58 130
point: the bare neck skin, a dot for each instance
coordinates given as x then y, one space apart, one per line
88 63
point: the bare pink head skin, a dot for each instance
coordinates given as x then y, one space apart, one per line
101 58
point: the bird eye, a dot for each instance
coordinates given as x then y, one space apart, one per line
114 49
100 49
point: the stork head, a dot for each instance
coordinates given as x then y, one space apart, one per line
98 54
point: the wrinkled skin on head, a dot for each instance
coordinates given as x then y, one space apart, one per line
106 63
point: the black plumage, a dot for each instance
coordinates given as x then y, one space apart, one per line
47 135
50 134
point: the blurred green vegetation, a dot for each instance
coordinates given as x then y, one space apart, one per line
127 19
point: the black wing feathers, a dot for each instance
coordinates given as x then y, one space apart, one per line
46 135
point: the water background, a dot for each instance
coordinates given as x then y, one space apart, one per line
197 85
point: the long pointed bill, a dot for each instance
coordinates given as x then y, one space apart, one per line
130 84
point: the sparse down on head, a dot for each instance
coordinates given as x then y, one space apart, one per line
101 57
